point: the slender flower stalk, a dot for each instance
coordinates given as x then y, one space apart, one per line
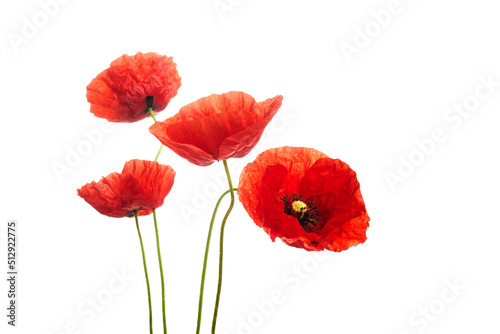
159 152
207 247
150 110
161 274
221 249
146 274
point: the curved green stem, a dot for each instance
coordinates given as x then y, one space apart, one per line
161 274
150 110
207 247
221 249
159 151
146 273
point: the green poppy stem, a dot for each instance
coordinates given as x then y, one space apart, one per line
207 247
159 151
146 274
150 110
221 249
161 274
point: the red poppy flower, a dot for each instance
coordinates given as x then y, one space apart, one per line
217 127
131 85
142 186
305 198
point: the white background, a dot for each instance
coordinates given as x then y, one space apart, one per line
437 228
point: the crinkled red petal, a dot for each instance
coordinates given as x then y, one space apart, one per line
335 188
216 127
276 183
329 182
156 180
115 195
142 186
119 93
241 143
295 160
192 153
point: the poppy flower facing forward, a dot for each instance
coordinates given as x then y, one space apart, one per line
217 127
142 186
131 85
305 198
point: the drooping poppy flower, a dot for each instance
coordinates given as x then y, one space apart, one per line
305 198
131 85
141 186
217 127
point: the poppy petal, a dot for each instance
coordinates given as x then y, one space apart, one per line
115 195
241 143
216 127
119 93
336 187
189 152
331 186
275 184
156 180
142 186
295 160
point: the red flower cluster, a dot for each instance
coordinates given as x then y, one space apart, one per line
131 85
217 127
300 195
305 198
142 186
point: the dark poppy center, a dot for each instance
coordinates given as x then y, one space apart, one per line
149 103
304 210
